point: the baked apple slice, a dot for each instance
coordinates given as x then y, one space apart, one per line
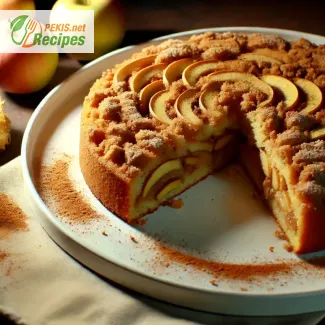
285 87
200 146
183 106
144 76
314 96
318 133
168 189
246 77
258 58
266 166
174 70
208 96
126 70
193 72
157 106
147 92
281 56
161 171
192 161
223 141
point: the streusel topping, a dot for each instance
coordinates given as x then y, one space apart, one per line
128 137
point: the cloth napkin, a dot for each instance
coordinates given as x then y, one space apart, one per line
41 285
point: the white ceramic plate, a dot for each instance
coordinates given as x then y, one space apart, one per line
220 219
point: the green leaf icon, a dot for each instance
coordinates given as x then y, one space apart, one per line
18 23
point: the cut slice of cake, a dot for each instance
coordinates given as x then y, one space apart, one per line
171 115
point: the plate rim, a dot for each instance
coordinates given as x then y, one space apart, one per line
53 219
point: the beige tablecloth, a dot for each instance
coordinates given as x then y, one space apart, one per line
41 285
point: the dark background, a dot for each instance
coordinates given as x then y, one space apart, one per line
180 15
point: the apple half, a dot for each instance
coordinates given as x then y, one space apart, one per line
183 106
175 70
193 72
126 70
258 58
157 106
313 95
161 171
285 87
144 76
147 92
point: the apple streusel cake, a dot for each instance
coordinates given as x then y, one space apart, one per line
163 120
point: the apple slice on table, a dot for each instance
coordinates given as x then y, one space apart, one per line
258 58
144 76
183 106
174 70
161 171
157 106
168 189
313 95
126 70
285 87
147 92
246 77
193 72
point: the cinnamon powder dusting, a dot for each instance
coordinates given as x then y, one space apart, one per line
3 256
247 272
12 218
60 195
280 234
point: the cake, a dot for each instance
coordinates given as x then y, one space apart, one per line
4 128
158 123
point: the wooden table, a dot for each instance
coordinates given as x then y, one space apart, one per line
148 19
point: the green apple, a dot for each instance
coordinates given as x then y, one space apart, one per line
109 24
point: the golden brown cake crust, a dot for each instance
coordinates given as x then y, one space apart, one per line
120 138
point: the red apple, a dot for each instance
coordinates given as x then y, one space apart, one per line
17 5
23 73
